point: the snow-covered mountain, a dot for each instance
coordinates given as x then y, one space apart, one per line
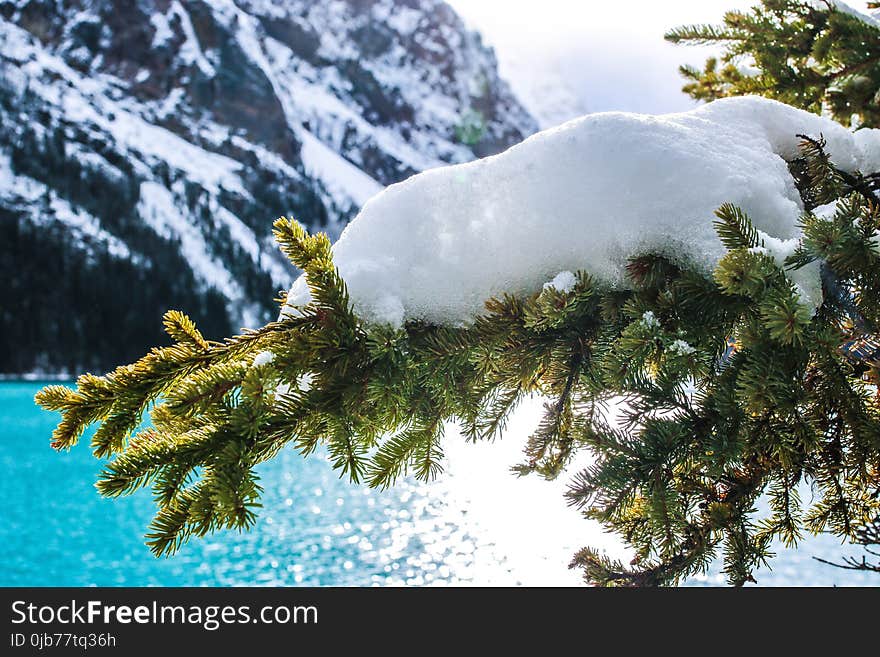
146 146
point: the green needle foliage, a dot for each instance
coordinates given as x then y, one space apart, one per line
705 428
806 53
813 55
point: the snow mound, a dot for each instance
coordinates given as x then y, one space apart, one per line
586 195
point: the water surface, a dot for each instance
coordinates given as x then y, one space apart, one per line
476 525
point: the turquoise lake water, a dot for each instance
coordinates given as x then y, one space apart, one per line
475 526
313 530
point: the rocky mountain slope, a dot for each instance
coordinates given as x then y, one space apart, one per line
146 146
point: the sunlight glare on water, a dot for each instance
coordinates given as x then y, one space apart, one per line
476 525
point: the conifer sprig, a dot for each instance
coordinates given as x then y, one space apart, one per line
730 389
811 55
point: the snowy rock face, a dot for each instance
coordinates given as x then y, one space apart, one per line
584 196
159 139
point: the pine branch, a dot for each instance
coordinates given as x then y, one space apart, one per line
810 55
732 389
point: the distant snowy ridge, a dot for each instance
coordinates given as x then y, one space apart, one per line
161 138
584 196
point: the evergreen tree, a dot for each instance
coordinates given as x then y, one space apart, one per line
810 54
733 390
806 53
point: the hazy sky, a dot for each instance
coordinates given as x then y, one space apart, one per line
568 57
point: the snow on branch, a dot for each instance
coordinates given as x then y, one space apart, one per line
584 196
